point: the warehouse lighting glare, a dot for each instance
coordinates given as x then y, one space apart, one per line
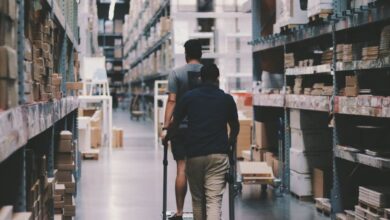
112 8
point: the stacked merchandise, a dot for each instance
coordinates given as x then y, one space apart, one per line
117 137
289 61
384 46
41 188
96 129
372 202
8 56
319 7
6 213
319 89
370 53
66 187
339 52
298 85
327 56
311 145
347 53
351 86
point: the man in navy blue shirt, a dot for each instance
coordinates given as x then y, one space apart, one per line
208 110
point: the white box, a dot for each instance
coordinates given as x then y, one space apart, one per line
305 161
311 140
300 184
302 119
290 12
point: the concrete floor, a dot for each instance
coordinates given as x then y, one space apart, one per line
127 184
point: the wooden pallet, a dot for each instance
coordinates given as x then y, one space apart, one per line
371 209
255 173
302 198
91 155
322 206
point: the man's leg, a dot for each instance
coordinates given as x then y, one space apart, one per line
180 186
195 174
215 183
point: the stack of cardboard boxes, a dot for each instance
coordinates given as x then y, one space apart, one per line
311 145
298 85
41 188
96 129
66 187
6 213
117 137
8 56
351 86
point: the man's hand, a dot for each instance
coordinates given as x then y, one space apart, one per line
163 135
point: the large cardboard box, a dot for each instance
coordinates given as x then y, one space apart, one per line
261 135
118 26
8 94
305 161
244 139
8 63
300 184
321 182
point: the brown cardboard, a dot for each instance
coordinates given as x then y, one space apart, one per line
321 183
275 166
269 158
7 33
65 146
8 63
261 135
244 138
351 81
118 53
351 91
65 158
118 26
96 134
8 7
66 135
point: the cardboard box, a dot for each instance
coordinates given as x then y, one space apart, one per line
8 63
7 33
66 135
9 8
64 176
8 94
244 139
65 158
96 136
269 158
118 53
321 183
118 26
351 81
65 146
261 135
352 91
276 164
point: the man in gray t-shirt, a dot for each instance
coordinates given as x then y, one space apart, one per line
180 81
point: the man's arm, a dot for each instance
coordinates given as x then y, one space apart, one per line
233 122
171 104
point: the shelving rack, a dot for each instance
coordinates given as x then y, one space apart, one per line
338 28
138 86
34 128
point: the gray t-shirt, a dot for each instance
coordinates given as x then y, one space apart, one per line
182 79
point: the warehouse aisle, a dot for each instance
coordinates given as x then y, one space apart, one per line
127 184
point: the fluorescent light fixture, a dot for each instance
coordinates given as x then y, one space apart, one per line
112 9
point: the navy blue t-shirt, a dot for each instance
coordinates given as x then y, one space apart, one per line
209 110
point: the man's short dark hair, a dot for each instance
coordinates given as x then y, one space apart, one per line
209 73
193 49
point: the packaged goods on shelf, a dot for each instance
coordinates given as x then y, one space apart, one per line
298 85
118 53
321 182
301 184
8 63
384 46
289 60
308 102
319 7
327 56
289 13
351 86
370 53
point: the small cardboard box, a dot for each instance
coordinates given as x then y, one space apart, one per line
351 91
118 26
64 176
321 183
66 135
261 135
351 81
96 136
8 63
118 53
65 146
